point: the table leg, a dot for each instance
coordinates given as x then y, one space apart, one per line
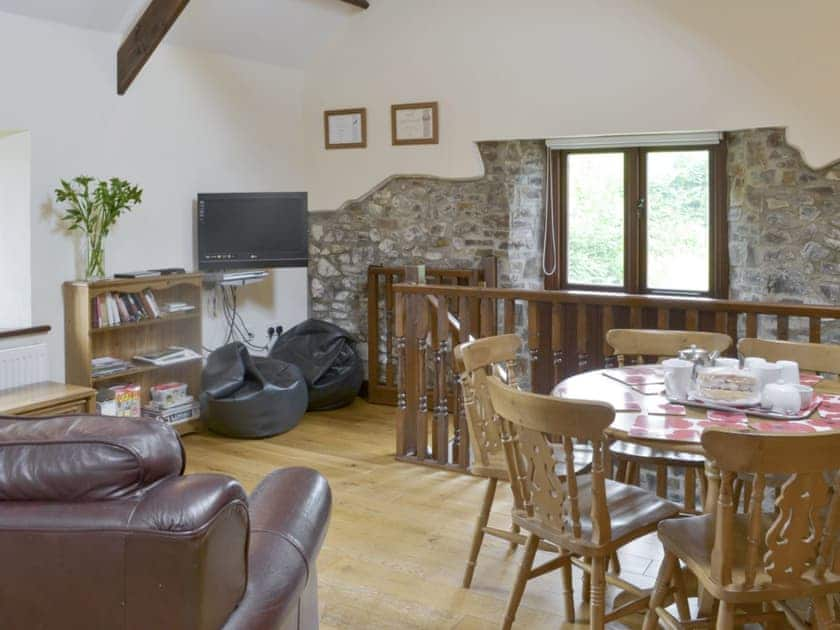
705 601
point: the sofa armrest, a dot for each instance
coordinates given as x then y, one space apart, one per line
172 556
289 512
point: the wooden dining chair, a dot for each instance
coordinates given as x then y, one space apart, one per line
586 516
812 357
635 345
754 563
491 438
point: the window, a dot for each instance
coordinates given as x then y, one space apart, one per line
641 219
15 286
595 218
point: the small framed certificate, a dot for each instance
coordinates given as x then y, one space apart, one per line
345 129
414 123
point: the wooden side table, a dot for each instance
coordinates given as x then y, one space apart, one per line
47 399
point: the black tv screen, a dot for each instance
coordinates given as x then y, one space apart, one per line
252 230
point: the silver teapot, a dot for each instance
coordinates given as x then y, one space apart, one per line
698 356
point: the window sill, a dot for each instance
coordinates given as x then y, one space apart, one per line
6 333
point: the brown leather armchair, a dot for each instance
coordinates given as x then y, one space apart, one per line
99 528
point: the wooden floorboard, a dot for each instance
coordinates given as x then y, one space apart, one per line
399 534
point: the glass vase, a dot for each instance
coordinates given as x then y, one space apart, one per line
94 258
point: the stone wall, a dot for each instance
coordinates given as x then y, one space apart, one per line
784 228
784 225
442 223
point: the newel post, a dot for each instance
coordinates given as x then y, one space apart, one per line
413 370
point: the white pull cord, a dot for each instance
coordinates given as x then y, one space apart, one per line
549 219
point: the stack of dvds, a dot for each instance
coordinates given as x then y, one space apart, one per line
184 409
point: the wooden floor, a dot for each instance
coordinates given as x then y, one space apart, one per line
399 535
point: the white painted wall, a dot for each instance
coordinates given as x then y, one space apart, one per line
199 122
192 122
15 280
542 68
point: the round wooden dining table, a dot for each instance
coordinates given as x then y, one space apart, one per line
645 416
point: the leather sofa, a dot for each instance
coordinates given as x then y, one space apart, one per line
100 528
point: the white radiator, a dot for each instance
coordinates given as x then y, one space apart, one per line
24 365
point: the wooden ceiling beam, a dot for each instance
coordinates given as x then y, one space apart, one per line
362 4
145 37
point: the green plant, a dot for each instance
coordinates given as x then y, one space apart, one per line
93 206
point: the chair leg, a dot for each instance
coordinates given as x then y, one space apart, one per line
586 585
662 482
568 593
621 470
514 529
628 473
725 616
597 604
689 503
737 489
822 612
521 579
770 624
615 563
660 590
478 534
747 496
680 594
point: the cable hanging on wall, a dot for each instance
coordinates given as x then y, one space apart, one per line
549 226
237 328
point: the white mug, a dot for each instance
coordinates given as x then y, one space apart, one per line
768 373
753 363
790 372
677 378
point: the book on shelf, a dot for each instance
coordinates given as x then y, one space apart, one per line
113 309
168 356
105 366
176 307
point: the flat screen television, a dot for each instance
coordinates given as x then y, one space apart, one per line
252 230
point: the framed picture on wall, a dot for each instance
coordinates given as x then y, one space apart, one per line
345 128
414 123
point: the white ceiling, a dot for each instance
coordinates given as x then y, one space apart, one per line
282 32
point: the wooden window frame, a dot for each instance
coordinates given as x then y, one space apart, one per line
635 209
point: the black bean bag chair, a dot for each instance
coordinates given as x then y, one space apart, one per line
251 397
326 355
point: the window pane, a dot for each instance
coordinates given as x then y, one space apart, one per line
595 208
678 220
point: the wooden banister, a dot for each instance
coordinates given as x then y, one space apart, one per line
563 332
626 299
381 309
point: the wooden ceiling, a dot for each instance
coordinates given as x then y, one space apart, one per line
150 30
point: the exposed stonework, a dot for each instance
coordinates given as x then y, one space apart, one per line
784 225
445 223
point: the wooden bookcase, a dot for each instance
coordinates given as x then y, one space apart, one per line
84 342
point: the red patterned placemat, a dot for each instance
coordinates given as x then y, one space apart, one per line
637 375
685 429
